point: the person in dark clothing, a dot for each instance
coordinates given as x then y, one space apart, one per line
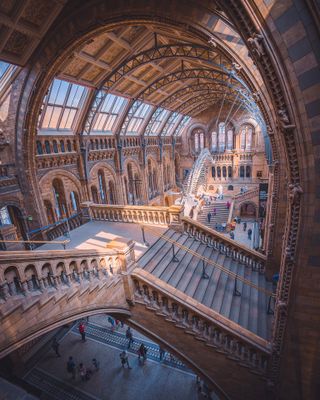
249 234
71 367
124 359
231 235
82 331
55 346
244 226
142 352
209 217
129 336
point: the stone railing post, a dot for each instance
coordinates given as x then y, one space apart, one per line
86 210
175 217
125 250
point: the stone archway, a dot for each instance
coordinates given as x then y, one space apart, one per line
248 210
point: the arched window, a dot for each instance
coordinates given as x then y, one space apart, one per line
102 187
230 139
241 171
74 201
39 147
59 197
249 138
219 172
248 171
214 141
229 171
213 172
222 136
196 143
224 171
201 140
47 146
243 139
69 145
62 146
55 146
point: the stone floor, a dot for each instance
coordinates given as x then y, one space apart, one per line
169 379
241 236
95 235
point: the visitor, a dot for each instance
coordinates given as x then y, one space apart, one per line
228 205
214 212
162 353
249 233
231 235
82 372
209 217
111 322
142 352
129 336
71 367
82 331
55 346
96 364
124 359
244 226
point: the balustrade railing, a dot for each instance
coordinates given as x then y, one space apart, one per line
247 195
205 324
223 244
154 215
24 273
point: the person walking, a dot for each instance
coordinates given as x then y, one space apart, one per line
82 372
231 235
214 212
124 359
142 352
96 364
129 336
249 233
244 226
228 205
209 217
111 322
55 346
71 367
82 331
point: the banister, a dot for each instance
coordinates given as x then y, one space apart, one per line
224 239
206 313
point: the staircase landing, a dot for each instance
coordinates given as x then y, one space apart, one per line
217 292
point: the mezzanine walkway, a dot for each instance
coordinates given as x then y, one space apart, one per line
96 234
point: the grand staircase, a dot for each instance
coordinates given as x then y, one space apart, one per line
221 217
209 285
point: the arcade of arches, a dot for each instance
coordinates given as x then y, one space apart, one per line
201 117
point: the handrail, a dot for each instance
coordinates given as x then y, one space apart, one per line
247 193
63 242
205 312
224 238
210 262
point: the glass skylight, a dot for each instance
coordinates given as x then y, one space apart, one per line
138 118
61 106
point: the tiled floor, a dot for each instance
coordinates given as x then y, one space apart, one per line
169 380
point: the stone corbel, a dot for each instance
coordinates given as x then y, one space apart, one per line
255 45
295 192
284 120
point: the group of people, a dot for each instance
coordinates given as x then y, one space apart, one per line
84 372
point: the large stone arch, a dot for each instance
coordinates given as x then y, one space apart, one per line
293 138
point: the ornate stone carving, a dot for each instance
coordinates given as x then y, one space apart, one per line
254 43
284 119
212 42
295 193
3 140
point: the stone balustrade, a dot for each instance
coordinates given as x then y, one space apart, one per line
223 244
24 273
250 194
219 333
60 229
154 215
